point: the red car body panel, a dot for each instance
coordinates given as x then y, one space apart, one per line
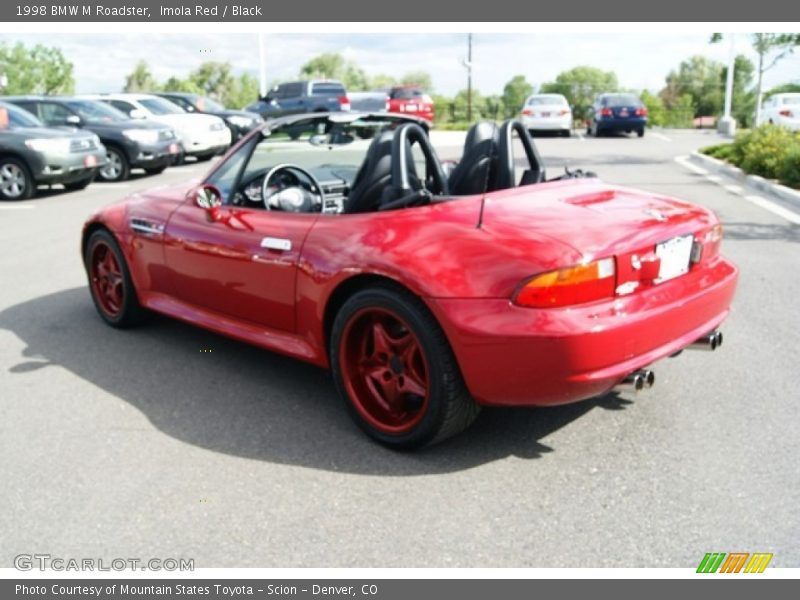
464 258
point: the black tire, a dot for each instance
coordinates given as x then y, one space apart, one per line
130 312
80 184
204 157
449 408
640 132
156 170
566 133
16 181
119 168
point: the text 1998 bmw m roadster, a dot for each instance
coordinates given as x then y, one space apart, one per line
342 240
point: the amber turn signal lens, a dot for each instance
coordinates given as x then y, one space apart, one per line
573 285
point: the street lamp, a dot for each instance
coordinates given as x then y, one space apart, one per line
467 62
727 124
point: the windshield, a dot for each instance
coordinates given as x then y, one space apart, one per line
160 106
791 99
97 112
546 100
621 100
19 118
206 104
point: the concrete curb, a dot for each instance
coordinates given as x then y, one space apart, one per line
754 181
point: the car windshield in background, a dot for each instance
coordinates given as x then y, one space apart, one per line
159 106
97 112
206 104
327 89
19 118
546 100
792 100
405 94
621 100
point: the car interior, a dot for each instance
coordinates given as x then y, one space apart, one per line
368 163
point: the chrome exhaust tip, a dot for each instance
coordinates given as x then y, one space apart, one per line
710 341
638 380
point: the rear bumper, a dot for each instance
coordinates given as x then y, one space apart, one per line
207 142
622 124
60 168
548 124
517 356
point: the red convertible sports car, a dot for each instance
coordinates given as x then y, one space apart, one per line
429 290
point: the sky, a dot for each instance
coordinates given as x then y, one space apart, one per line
641 60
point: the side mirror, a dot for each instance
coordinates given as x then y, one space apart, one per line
73 120
208 197
137 113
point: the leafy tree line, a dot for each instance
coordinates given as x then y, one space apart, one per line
36 70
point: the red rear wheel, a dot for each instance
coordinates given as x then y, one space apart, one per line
384 370
396 371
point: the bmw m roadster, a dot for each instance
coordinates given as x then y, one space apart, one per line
428 289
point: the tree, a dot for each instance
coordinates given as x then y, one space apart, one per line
332 65
381 81
514 94
770 48
140 79
580 85
38 70
419 78
213 78
175 84
656 110
700 78
243 92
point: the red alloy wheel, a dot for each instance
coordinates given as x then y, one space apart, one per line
107 279
384 370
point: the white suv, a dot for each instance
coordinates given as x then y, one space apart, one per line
782 109
202 135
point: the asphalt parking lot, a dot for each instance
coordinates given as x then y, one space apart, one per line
138 444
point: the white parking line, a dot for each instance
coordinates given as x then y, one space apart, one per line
733 189
16 207
787 214
714 179
660 136
684 162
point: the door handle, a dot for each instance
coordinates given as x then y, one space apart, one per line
272 243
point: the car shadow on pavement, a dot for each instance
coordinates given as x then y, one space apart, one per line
229 397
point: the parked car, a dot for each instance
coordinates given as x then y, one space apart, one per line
201 136
300 97
547 112
411 100
32 154
369 101
783 110
617 112
427 296
240 122
130 143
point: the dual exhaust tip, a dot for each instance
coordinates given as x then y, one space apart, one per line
644 379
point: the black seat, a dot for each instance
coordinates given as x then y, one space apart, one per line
372 185
477 170
506 174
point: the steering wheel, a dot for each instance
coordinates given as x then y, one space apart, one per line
298 201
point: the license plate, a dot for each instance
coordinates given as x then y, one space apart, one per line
623 112
90 161
411 107
173 148
545 114
675 255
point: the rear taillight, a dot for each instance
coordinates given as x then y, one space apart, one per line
786 113
563 112
641 111
573 285
710 243
606 112
527 112
344 102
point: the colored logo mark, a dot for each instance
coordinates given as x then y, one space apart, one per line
735 562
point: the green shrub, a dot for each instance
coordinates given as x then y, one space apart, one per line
761 151
720 151
789 170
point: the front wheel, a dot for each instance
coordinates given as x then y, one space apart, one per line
79 185
640 132
110 281
16 182
117 168
395 369
155 170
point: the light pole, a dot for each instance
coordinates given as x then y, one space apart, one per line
468 65
262 66
727 124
